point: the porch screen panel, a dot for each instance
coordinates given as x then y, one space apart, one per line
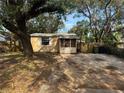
73 42
62 43
65 42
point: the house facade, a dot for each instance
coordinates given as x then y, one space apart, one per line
59 43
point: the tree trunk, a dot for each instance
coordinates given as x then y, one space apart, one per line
20 30
26 44
24 36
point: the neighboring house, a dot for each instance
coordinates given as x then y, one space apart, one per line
2 43
2 38
62 43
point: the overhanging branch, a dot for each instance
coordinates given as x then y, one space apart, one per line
45 9
11 27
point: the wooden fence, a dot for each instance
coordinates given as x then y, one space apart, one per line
97 47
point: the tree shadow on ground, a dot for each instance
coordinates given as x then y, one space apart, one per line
5 71
9 63
48 58
87 76
11 55
72 73
99 59
46 66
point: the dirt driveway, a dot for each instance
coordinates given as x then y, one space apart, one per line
85 73
53 73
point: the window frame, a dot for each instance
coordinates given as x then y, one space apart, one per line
45 40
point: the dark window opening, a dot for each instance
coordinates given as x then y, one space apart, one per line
45 40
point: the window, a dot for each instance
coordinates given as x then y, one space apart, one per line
73 42
45 40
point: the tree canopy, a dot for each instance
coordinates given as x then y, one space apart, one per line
15 14
45 23
103 16
22 17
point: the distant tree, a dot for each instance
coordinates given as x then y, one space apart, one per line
45 23
83 31
103 16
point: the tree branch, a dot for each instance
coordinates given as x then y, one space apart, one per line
37 4
107 4
11 27
41 8
107 19
82 11
49 9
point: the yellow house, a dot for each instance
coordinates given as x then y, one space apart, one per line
61 43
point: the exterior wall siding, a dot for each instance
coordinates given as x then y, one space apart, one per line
38 47
68 50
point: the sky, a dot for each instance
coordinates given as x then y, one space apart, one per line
71 21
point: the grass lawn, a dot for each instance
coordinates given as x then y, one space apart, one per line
55 73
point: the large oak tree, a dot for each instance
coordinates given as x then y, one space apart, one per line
15 14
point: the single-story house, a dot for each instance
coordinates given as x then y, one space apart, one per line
59 42
2 43
2 38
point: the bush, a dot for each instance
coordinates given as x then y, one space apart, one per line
112 50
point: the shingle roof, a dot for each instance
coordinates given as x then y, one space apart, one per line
43 34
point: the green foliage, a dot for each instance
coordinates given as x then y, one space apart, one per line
49 22
46 23
102 17
82 30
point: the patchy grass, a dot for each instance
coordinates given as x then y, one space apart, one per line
54 73
21 75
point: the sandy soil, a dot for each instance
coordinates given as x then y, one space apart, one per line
53 73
